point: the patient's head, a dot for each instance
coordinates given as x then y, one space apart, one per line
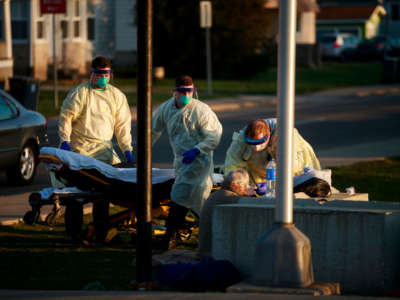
314 187
236 181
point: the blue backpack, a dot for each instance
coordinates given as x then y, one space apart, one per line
206 275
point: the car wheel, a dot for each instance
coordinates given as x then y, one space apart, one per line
24 171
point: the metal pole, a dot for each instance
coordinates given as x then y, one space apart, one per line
55 63
286 91
143 197
208 53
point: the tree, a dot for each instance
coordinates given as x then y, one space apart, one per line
238 35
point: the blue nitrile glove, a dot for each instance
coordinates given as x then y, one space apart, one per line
261 188
128 155
190 155
65 146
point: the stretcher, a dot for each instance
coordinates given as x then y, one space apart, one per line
89 180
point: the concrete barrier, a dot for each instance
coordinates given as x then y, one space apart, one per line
355 243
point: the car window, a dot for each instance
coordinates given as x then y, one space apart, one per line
328 39
7 109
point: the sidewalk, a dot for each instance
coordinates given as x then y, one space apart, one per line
134 295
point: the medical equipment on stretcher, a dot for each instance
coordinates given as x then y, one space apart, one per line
89 180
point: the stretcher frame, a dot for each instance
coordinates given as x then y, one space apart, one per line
94 186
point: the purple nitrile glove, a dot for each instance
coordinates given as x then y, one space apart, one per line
65 146
129 157
261 188
190 155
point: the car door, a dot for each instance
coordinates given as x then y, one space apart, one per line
10 132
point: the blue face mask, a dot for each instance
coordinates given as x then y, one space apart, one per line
183 100
102 82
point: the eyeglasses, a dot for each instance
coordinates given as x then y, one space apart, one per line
250 141
185 90
99 71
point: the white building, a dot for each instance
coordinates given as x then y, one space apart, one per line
87 29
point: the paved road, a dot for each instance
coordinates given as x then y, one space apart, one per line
343 126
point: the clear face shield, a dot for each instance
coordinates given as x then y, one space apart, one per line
185 94
101 76
259 144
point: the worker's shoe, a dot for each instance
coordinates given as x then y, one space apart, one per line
167 243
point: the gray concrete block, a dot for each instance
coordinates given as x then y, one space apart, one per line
355 245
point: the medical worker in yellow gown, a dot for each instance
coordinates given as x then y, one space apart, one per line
90 116
194 132
253 146
92 113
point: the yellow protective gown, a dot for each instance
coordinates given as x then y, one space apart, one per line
194 125
241 155
89 118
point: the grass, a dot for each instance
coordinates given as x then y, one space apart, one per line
328 76
35 257
41 257
38 257
380 179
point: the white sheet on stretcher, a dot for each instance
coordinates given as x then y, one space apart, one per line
76 161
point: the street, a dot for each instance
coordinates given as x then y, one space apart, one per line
340 128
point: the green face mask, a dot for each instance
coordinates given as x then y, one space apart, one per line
102 82
183 100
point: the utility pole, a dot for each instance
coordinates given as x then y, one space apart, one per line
283 255
206 22
143 137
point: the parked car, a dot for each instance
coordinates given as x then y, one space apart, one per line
338 45
371 49
375 48
22 134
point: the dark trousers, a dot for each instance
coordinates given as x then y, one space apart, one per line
176 219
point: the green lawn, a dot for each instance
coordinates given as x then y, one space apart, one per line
380 179
328 76
39 257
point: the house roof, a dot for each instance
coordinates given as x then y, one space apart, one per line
302 5
345 12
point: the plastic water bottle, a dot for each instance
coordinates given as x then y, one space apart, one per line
271 179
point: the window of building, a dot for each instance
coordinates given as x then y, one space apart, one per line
395 12
76 8
40 23
64 29
76 24
90 21
76 29
40 29
298 23
19 19
90 29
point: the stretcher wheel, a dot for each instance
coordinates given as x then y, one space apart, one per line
30 217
